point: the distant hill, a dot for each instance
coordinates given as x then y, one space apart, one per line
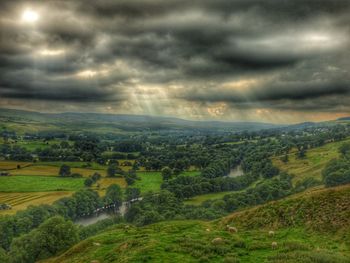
124 122
344 119
309 227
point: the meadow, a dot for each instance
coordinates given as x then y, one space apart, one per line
297 238
10 184
199 199
314 162
20 201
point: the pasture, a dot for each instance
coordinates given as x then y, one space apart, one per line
10 184
199 199
46 170
20 201
149 181
312 165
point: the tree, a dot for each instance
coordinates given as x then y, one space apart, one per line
132 193
64 170
53 236
111 170
88 182
96 176
166 173
344 149
114 195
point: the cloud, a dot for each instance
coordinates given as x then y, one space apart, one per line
249 54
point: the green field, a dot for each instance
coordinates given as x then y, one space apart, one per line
313 164
301 234
149 181
39 184
197 200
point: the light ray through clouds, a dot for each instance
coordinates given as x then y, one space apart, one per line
274 61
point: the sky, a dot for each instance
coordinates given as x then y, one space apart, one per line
274 61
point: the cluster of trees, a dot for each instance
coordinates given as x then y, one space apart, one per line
92 179
166 205
80 204
188 186
43 231
130 176
53 236
337 172
219 168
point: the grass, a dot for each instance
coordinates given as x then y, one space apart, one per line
47 170
93 165
313 164
308 229
149 181
39 184
20 201
107 181
197 200
9 165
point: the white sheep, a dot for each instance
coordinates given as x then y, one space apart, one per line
217 241
274 245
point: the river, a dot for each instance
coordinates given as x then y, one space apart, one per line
106 214
93 219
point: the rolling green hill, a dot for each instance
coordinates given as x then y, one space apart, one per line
313 227
314 162
30 121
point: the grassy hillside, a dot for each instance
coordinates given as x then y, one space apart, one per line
314 227
314 162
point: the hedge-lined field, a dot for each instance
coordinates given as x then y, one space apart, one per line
313 164
39 184
20 201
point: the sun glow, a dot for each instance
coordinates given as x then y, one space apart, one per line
52 52
30 16
87 74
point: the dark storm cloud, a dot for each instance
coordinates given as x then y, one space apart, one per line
298 50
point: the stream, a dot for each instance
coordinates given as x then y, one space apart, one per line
85 221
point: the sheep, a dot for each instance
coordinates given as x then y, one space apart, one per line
232 229
271 233
208 230
217 241
96 244
95 261
274 245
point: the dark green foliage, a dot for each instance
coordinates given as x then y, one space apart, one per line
92 179
88 182
306 183
337 172
114 195
64 170
113 170
167 173
131 177
53 236
132 193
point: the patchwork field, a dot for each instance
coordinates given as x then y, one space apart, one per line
20 201
39 184
45 170
313 164
9 165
